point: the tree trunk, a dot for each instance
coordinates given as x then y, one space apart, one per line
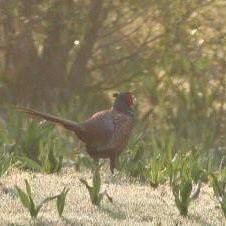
79 72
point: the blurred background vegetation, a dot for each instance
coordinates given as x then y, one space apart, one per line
68 57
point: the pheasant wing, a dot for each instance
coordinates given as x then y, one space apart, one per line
98 130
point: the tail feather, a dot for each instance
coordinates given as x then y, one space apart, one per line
67 124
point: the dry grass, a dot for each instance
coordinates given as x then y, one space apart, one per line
134 204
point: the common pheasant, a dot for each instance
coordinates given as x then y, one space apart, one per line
106 133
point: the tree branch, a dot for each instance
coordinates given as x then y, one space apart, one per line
123 25
79 68
125 37
130 56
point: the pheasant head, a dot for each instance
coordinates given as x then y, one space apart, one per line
124 102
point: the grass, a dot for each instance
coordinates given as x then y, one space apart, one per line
134 203
150 193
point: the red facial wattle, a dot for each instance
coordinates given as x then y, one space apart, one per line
129 100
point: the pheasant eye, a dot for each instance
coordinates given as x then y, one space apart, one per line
115 95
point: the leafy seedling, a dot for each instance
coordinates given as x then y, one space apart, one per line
94 191
50 164
28 202
132 162
26 162
183 193
61 201
155 172
219 185
5 162
186 177
173 168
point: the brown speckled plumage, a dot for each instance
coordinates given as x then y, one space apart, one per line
106 133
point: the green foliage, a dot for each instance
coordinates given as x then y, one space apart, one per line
31 138
170 68
61 201
190 164
183 194
186 177
28 202
82 160
27 163
48 163
176 69
51 163
162 153
218 184
26 134
132 162
173 168
94 190
155 172
31 143
5 162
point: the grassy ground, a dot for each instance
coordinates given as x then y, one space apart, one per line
133 203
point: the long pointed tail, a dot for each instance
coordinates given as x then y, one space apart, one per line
67 124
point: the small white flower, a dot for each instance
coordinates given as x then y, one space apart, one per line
193 31
76 42
194 14
42 122
200 42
